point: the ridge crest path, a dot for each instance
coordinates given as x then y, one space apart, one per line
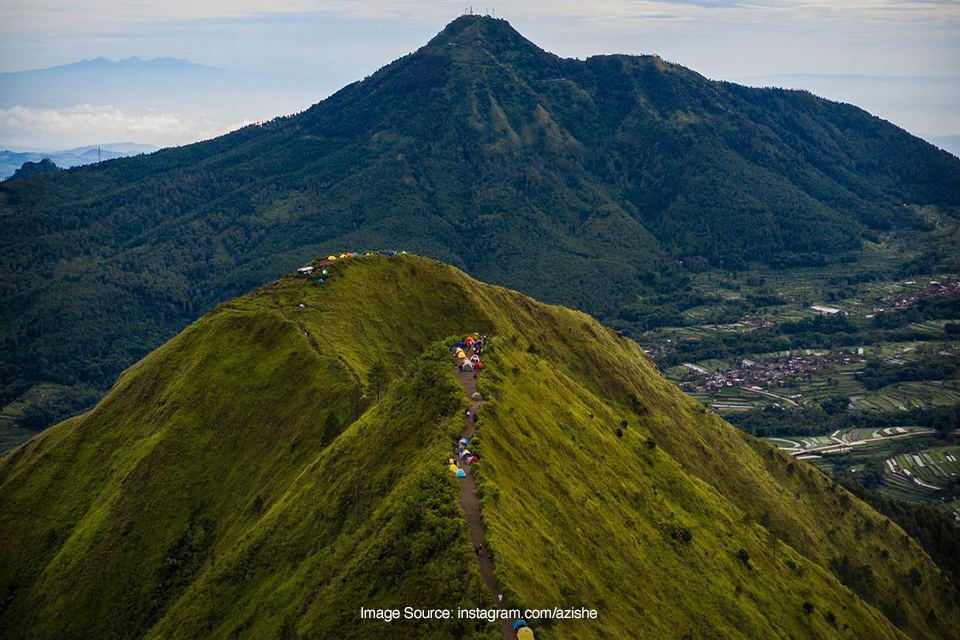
471 505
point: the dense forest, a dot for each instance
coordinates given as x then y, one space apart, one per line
582 182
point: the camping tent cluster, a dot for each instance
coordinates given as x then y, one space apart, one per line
467 352
462 456
473 345
363 254
463 453
309 269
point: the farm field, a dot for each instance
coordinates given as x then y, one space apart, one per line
16 423
910 395
841 442
929 475
922 475
804 355
817 379
828 318
907 463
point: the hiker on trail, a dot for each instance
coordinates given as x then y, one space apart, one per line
500 598
467 415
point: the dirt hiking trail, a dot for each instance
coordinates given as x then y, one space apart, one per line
471 505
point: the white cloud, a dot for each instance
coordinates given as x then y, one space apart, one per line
85 124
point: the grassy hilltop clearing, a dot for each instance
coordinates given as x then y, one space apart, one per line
246 480
603 184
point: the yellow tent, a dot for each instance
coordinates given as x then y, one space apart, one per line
524 633
331 258
461 354
453 468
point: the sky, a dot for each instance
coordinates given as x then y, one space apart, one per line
897 58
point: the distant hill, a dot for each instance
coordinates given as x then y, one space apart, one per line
585 182
28 169
11 160
164 101
247 480
122 83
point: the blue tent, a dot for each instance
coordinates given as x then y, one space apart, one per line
461 473
320 280
464 441
462 345
519 623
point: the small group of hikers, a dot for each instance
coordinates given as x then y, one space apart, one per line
479 550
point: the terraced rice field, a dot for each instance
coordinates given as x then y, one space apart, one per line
843 441
831 381
732 399
920 475
909 395
913 470
934 327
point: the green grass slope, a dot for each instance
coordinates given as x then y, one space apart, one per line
244 481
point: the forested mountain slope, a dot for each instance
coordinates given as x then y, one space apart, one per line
244 481
578 181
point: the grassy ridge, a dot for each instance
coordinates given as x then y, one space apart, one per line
209 453
618 512
242 481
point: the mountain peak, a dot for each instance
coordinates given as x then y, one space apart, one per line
482 32
483 22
